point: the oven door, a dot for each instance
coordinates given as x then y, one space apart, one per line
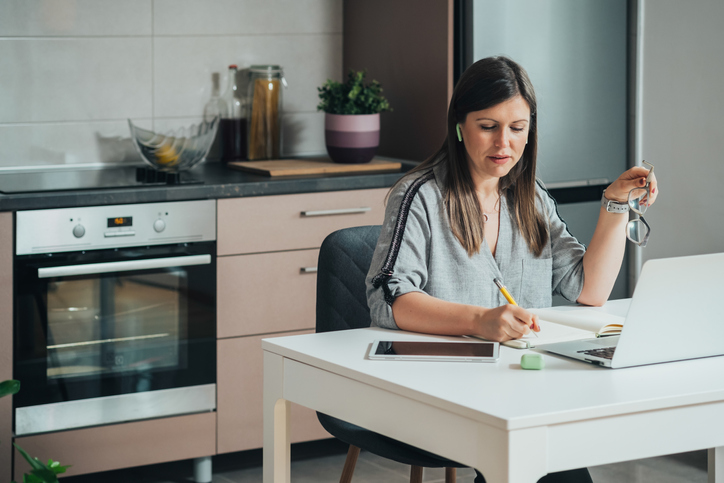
114 335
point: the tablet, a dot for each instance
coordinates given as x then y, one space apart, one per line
434 350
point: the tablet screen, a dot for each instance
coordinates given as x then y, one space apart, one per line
433 349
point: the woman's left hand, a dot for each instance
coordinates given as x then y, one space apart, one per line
630 179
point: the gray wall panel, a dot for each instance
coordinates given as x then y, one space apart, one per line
575 53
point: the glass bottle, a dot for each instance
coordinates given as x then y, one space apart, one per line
216 105
213 108
233 125
265 106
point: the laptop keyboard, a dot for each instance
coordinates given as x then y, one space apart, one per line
603 353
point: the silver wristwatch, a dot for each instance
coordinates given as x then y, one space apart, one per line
613 206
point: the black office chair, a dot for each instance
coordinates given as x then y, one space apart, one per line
344 260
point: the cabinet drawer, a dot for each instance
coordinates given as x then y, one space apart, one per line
240 394
266 292
115 446
289 222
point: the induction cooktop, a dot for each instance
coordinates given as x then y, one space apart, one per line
89 179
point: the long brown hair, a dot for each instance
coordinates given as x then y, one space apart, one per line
484 84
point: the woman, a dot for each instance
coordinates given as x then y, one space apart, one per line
474 212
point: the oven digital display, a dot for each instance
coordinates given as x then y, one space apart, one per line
120 221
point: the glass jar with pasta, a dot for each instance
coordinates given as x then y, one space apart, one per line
265 109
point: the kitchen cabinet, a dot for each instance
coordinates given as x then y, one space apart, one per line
266 292
133 444
293 222
239 398
416 70
267 250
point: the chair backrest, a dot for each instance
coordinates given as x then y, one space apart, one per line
344 260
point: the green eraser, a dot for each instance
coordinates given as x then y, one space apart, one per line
532 361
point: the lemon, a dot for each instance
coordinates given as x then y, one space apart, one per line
167 155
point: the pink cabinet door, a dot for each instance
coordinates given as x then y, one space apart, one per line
266 293
291 222
116 446
239 398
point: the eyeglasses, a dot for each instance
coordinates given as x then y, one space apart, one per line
638 230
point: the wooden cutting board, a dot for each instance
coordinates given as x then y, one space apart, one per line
297 167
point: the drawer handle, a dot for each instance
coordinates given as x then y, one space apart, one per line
340 211
308 270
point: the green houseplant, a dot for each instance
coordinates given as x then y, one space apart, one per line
352 117
40 472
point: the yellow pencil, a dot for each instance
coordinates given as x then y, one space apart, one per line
507 295
505 292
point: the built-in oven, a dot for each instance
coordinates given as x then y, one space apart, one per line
115 314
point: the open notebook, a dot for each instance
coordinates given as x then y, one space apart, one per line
563 324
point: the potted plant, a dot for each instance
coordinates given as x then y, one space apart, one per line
40 473
352 118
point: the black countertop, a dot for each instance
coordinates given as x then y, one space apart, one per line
218 182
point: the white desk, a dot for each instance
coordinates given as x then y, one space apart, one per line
513 425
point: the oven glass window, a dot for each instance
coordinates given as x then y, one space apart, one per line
122 330
116 324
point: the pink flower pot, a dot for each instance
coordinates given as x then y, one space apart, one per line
352 138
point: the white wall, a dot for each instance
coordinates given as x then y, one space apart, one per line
73 71
682 124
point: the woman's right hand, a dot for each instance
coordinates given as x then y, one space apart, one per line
505 323
420 312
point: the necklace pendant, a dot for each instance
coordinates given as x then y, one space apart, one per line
485 217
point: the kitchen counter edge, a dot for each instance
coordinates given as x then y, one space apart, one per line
219 183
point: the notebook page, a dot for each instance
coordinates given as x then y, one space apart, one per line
551 332
586 318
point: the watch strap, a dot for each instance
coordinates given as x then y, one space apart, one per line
613 206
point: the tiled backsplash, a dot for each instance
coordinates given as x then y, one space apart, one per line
73 71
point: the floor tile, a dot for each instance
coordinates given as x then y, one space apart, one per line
680 468
322 462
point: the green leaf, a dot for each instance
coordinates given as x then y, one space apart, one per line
34 462
354 92
40 476
8 387
352 97
29 478
56 467
41 473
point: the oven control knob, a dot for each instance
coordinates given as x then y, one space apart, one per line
159 225
78 231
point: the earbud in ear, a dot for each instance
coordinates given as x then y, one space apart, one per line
460 135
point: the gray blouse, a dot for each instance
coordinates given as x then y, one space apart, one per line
417 252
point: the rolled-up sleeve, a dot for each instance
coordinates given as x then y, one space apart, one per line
400 261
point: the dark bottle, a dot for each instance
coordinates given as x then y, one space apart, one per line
233 121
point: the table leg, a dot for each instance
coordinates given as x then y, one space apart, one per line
523 461
277 448
716 465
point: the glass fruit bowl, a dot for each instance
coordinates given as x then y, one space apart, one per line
175 151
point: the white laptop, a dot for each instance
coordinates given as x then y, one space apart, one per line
676 313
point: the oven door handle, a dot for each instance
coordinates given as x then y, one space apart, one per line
110 267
